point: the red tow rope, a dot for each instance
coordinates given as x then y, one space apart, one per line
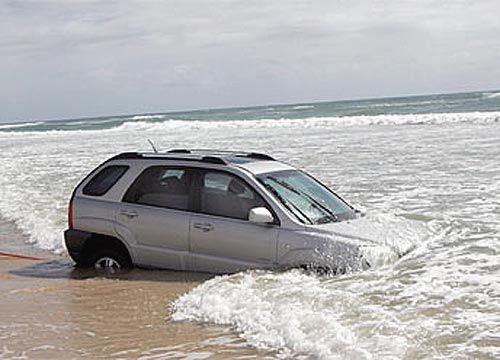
17 256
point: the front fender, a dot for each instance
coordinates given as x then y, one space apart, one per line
305 249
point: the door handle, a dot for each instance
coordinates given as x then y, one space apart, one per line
205 227
129 214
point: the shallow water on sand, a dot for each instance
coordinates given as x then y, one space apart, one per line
52 311
440 301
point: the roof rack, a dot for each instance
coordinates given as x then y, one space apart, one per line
164 156
251 155
205 155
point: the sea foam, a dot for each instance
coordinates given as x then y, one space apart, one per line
297 312
163 123
21 125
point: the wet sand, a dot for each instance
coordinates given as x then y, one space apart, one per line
50 310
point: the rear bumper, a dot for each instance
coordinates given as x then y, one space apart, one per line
75 240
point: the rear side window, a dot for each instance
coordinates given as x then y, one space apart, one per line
162 187
104 180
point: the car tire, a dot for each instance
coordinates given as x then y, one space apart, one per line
109 261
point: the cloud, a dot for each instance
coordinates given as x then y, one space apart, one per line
79 58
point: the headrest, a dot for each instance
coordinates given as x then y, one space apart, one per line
236 187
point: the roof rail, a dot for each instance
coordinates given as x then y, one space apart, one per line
127 155
205 155
252 155
179 151
213 160
134 155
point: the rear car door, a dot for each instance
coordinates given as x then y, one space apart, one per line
221 237
154 216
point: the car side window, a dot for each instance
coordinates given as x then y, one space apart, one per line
162 187
104 180
226 195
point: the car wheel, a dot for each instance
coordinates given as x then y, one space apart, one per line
109 261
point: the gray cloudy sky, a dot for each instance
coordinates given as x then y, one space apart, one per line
63 59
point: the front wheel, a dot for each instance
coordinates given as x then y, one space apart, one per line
109 261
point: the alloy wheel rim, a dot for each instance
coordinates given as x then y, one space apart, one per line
107 263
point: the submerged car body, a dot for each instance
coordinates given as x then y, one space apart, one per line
209 211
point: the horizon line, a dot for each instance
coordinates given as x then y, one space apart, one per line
236 107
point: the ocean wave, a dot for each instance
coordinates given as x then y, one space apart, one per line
148 117
401 104
491 95
141 123
419 119
295 314
16 126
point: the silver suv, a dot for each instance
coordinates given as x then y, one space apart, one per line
205 210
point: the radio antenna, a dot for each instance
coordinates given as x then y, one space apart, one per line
153 146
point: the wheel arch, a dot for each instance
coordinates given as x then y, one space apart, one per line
99 241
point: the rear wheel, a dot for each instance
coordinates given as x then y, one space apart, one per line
109 260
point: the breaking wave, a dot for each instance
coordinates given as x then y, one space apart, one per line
492 95
145 123
18 126
148 117
420 119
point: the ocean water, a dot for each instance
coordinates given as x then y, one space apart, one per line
423 169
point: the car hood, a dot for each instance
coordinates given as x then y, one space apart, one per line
380 237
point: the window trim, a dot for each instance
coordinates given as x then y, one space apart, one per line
198 178
94 176
166 167
194 196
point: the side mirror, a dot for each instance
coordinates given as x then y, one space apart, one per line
260 215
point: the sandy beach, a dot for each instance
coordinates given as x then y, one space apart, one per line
50 310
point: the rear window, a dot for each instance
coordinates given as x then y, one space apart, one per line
104 180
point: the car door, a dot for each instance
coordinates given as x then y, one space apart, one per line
221 237
154 217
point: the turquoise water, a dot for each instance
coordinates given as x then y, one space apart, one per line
432 104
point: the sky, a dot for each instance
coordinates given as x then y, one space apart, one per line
82 58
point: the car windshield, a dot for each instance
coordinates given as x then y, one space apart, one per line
306 198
